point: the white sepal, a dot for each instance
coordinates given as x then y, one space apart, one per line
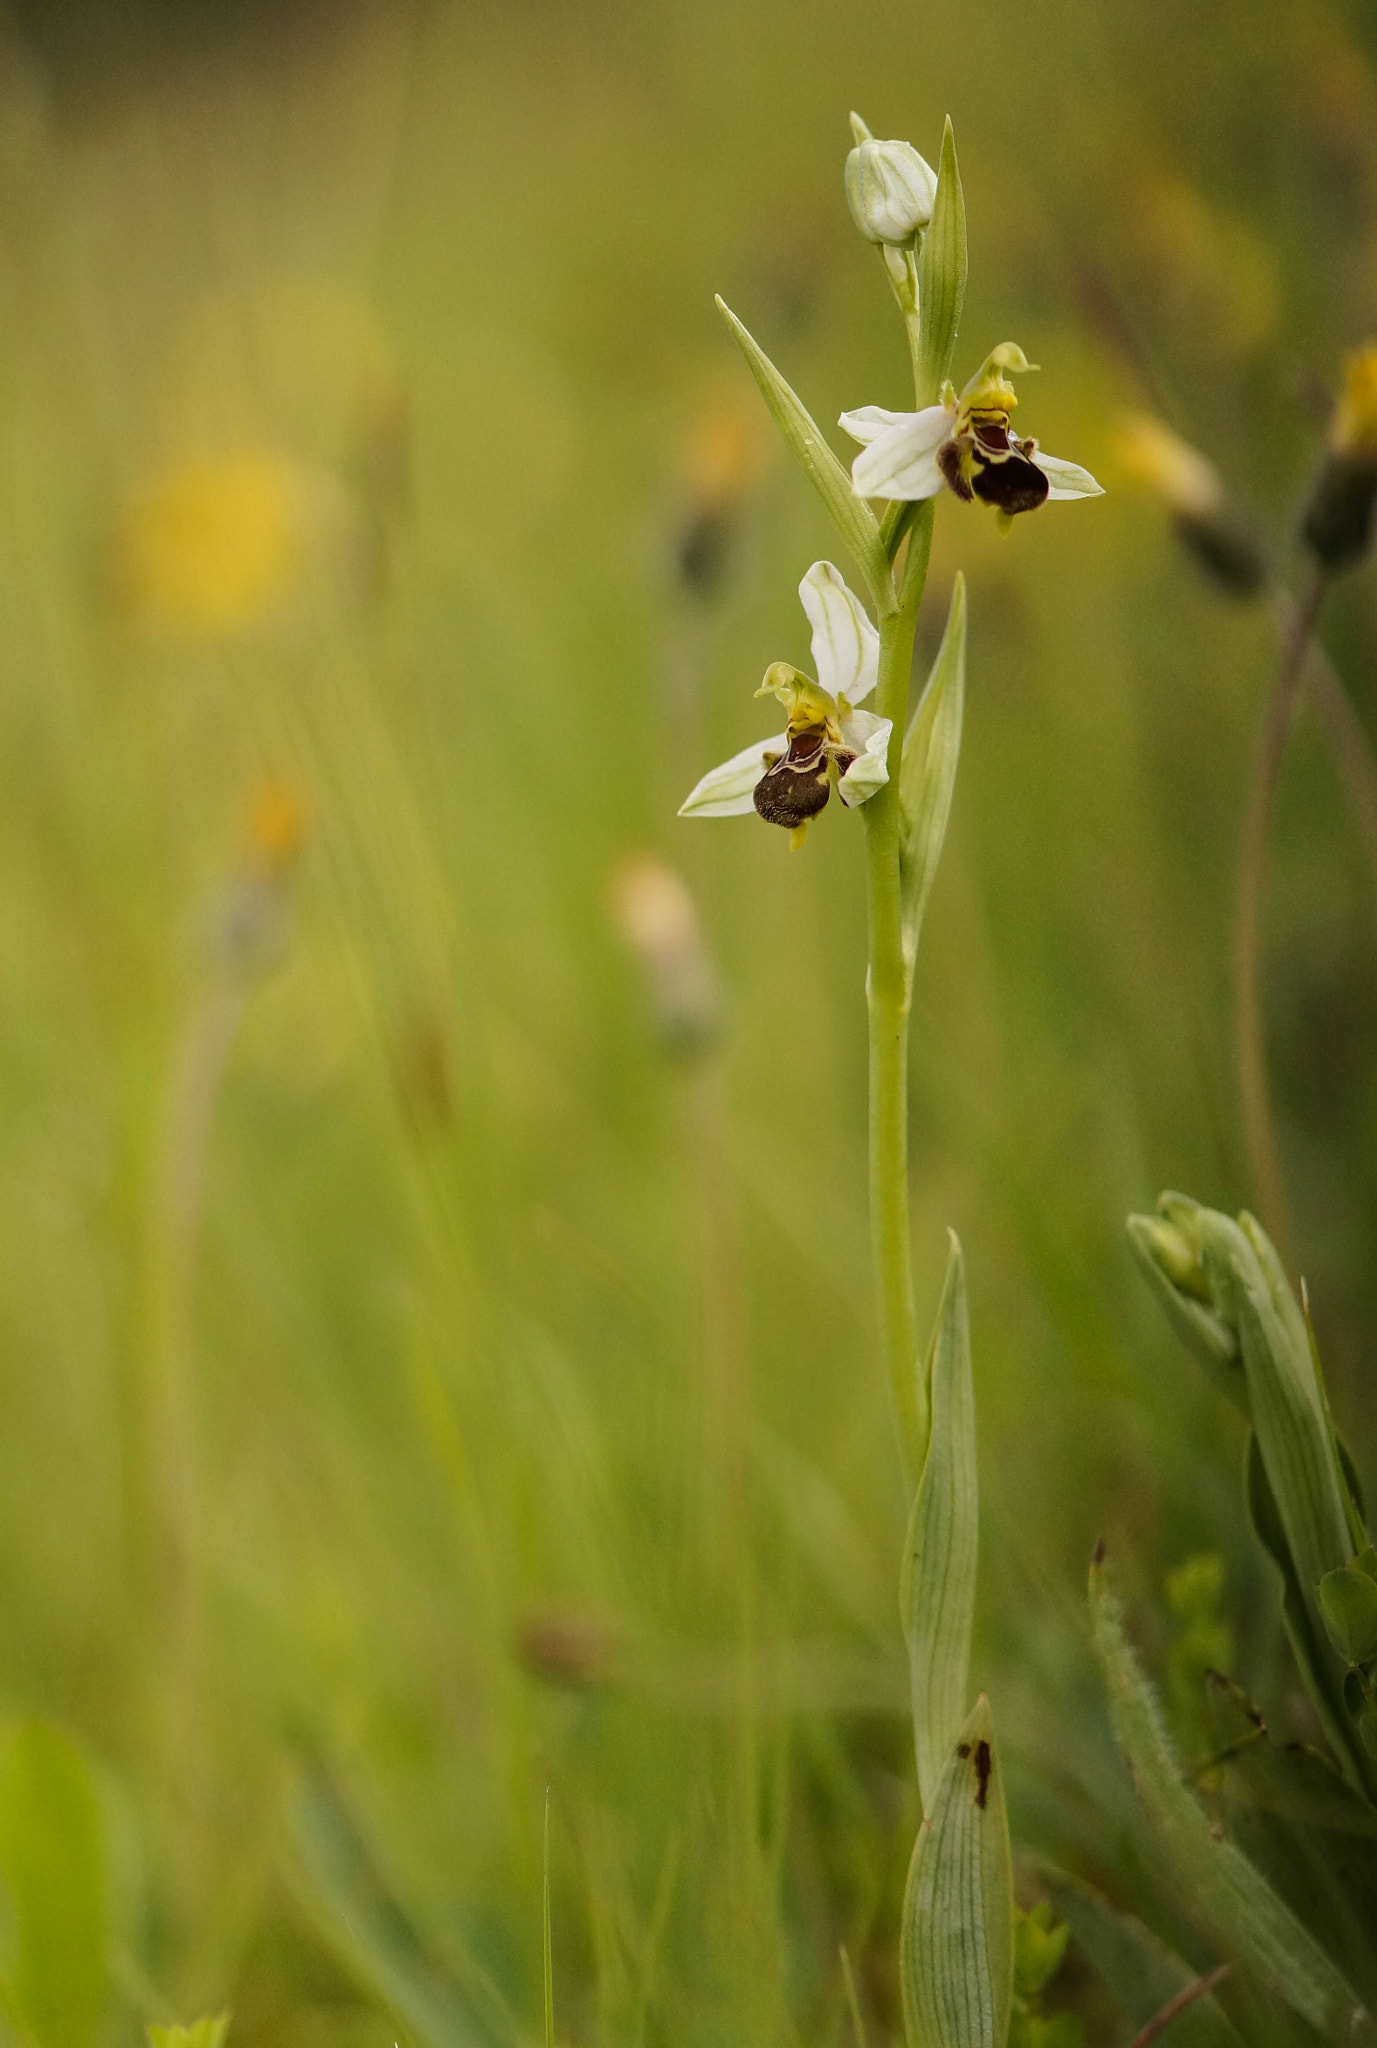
868 422
727 791
902 461
846 647
1068 479
868 737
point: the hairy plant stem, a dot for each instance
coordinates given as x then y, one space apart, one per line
888 999
1250 1047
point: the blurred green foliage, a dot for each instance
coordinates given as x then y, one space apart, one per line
423 1383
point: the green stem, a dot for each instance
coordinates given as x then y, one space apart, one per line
888 997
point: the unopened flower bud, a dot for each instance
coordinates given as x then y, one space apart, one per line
657 917
1170 1252
1337 522
1189 486
889 188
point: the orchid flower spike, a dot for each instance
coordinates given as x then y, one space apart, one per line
966 444
826 743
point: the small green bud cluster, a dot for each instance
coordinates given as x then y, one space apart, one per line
1039 1948
890 189
1224 1290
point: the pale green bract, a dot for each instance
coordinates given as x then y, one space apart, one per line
854 521
941 279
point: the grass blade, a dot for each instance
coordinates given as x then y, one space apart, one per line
1231 1900
1141 1972
338 1887
54 1865
545 1916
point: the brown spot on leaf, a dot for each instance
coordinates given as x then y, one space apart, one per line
983 1766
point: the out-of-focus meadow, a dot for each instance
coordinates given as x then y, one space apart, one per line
437 1358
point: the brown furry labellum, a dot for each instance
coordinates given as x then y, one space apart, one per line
796 785
989 463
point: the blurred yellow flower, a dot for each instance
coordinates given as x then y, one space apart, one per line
212 544
724 451
275 826
1353 429
1151 455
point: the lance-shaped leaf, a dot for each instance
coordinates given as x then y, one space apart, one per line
1284 1398
927 777
1232 1902
941 278
1348 1602
1141 1972
1304 1827
956 1950
851 516
937 1584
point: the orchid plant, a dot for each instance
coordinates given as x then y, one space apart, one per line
967 1980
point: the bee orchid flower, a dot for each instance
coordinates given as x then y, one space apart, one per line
827 743
966 444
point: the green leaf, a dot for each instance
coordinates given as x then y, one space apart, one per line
941 277
1304 1827
1231 1900
927 776
1319 1673
956 1951
1348 1603
937 1583
851 516
1038 1950
54 1865
1142 1972
1284 1399
205 2033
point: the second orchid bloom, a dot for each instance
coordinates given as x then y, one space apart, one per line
827 743
966 444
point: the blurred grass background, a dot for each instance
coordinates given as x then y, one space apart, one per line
424 1381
